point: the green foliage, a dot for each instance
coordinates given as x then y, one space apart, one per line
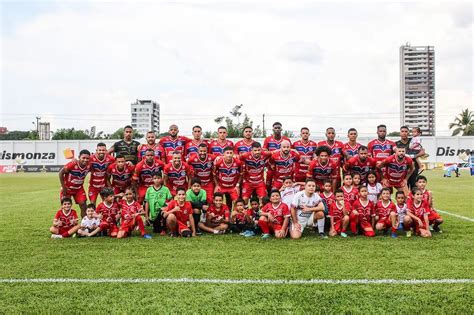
394 134
70 134
20 135
463 124
234 127
118 134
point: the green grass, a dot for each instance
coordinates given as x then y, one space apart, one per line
29 202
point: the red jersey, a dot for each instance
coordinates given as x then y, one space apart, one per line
182 215
170 145
427 197
202 168
272 144
221 214
254 167
193 147
98 169
227 175
217 148
284 165
350 151
240 217
396 171
243 146
110 214
350 195
320 172
177 177
157 148
365 209
330 199
380 150
129 210
144 172
67 220
383 211
279 212
121 179
337 212
306 150
336 151
418 209
75 175
355 165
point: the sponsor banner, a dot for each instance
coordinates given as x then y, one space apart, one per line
8 168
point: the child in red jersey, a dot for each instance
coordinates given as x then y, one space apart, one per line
274 217
434 218
108 212
356 180
179 215
240 221
327 195
386 213
217 216
364 209
253 214
418 213
339 215
130 214
351 193
65 220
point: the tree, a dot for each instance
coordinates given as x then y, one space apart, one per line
118 134
463 123
235 129
288 133
20 135
70 134
394 134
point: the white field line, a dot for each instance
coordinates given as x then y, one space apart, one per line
456 215
238 281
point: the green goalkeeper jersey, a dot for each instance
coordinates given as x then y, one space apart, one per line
156 199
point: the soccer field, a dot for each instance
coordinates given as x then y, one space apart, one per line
96 273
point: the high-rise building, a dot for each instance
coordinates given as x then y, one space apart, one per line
44 131
417 88
146 116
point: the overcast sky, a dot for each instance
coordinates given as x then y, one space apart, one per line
315 64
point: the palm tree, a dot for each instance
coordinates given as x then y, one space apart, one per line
463 123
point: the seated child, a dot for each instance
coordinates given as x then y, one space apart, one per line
89 224
274 217
65 220
217 216
417 214
339 215
364 209
108 212
240 221
386 213
131 218
177 215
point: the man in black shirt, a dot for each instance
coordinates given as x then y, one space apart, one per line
127 147
413 153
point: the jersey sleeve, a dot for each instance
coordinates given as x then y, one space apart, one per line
57 215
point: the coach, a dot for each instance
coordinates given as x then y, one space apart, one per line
127 147
413 153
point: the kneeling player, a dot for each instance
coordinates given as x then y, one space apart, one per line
274 217
177 215
434 217
131 216
418 213
217 216
339 214
65 220
364 208
386 213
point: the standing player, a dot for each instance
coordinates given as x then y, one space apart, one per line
177 173
143 174
386 213
98 163
178 213
351 147
381 148
119 175
273 143
274 217
336 151
245 145
72 177
150 144
173 143
397 168
306 148
283 163
253 169
227 176
128 148
202 163
360 164
216 147
65 222
193 145
322 168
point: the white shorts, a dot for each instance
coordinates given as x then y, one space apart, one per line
304 219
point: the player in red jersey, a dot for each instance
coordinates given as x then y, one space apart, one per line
360 164
322 168
98 163
179 215
306 148
397 168
72 177
254 166
217 216
131 212
177 174
336 151
119 174
363 212
274 217
216 147
351 193
351 147
173 143
65 222
326 194
227 176
193 145
108 211
273 143
339 215
203 164
143 174
418 211
381 148
245 145
151 144
283 163
434 218
386 213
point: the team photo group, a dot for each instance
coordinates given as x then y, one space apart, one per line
180 186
